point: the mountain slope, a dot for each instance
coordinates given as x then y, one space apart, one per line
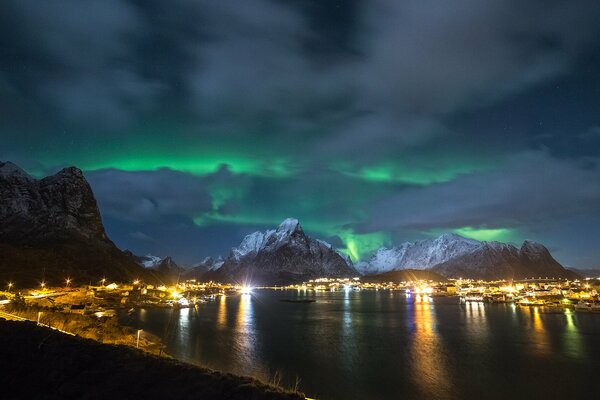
281 256
166 266
454 256
51 228
422 254
495 260
198 271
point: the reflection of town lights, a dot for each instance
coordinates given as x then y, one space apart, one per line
183 301
246 290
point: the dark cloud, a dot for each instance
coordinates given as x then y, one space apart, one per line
148 195
530 190
380 115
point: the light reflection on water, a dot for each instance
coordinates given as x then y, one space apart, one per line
384 345
222 312
426 351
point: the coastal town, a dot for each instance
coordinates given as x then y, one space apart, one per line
104 299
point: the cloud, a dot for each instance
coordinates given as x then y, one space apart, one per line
141 236
386 71
149 195
532 189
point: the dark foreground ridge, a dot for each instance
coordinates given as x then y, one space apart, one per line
39 363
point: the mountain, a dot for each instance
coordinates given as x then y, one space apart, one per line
51 228
454 256
198 271
422 254
165 266
586 273
495 260
281 256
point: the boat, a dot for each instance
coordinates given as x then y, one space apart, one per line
531 301
588 306
472 297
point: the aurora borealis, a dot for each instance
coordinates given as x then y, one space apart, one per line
372 121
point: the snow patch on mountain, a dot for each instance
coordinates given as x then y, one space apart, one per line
422 254
150 261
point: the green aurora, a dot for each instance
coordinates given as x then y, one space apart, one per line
320 210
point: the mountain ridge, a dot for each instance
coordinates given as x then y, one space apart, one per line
454 256
280 256
51 229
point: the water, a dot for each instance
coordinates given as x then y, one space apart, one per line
383 345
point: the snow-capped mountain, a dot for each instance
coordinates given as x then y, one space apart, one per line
454 256
210 263
422 254
200 269
166 266
149 261
282 255
52 228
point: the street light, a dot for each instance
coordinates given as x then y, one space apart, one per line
43 284
68 281
10 285
137 344
103 280
136 282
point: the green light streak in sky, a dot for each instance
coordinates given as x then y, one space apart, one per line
498 234
199 165
360 245
426 169
390 173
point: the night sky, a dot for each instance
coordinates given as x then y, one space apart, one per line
373 122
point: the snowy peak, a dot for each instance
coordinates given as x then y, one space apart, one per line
250 244
149 261
289 231
283 255
455 256
421 254
533 251
288 227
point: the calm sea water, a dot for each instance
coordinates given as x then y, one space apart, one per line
383 345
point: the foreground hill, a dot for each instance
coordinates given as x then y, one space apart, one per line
51 228
454 256
42 363
281 256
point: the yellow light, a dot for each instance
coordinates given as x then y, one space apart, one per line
136 282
